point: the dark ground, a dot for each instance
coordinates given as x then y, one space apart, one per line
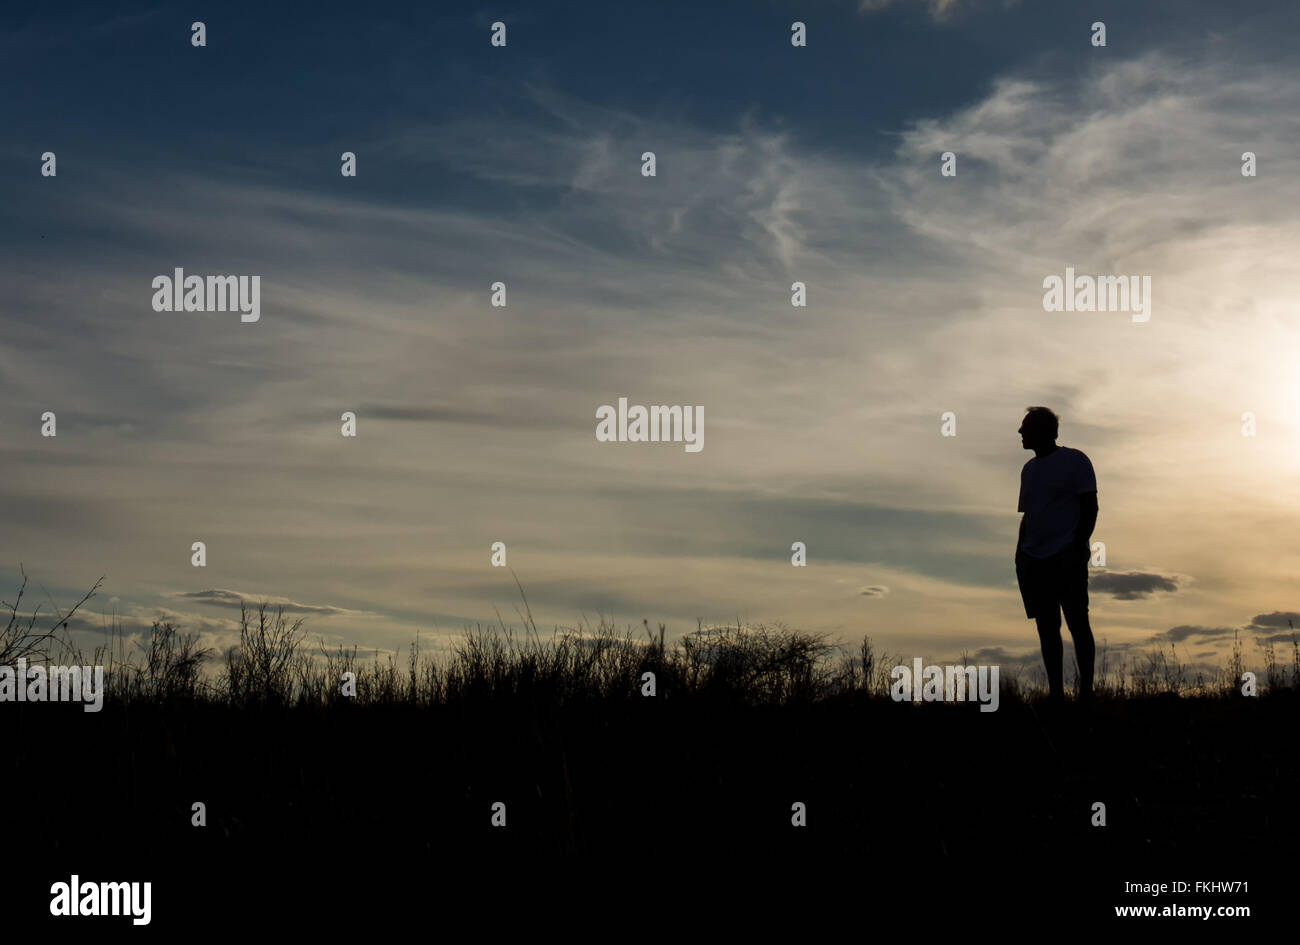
645 812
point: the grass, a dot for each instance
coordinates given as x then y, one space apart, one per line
273 665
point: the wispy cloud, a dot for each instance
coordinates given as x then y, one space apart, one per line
218 597
476 423
939 10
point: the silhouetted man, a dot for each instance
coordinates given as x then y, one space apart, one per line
1058 496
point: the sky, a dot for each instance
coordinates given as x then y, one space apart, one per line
774 163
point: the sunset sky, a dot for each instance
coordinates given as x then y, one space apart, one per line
522 164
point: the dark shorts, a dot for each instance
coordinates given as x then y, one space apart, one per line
1059 581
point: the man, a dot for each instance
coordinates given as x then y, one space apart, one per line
1058 496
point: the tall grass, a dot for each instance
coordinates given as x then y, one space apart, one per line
273 666
20 638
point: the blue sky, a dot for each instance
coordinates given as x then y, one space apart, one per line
774 163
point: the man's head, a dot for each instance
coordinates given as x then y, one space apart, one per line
1039 428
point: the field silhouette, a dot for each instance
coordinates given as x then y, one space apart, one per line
318 798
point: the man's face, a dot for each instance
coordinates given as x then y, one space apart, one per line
1031 433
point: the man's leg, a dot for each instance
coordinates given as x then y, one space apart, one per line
1084 648
1049 635
1075 605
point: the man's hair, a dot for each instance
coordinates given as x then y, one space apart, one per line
1045 417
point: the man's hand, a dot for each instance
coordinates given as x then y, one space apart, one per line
1087 522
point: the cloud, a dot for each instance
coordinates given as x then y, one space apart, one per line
1182 633
1282 621
1131 585
523 415
926 297
1278 638
596 643
1261 625
1001 656
1276 620
939 10
218 597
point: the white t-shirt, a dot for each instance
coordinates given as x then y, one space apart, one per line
1050 487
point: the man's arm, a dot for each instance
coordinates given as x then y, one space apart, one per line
1020 539
1087 519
